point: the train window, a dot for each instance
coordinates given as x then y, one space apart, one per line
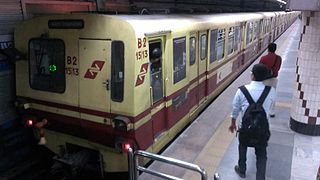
265 27
179 59
268 25
213 45
256 29
47 65
249 37
117 71
192 51
220 43
217 41
237 38
203 47
231 40
156 70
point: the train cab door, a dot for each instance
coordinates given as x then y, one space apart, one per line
193 71
157 85
94 78
202 64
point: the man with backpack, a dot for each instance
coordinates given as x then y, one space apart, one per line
253 101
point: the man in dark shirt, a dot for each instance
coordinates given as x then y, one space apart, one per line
273 62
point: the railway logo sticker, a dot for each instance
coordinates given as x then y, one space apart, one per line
141 76
94 69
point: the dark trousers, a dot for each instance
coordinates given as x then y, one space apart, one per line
261 156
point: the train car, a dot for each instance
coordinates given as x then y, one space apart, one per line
93 85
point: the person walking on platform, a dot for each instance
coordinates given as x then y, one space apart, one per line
248 98
273 62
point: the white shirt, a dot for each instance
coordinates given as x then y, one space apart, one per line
255 88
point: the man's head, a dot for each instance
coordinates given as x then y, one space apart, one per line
272 47
155 55
259 72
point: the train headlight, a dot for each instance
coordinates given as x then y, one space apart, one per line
121 123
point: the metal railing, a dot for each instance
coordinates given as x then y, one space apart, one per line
134 167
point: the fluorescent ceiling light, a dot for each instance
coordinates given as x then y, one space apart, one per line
283 2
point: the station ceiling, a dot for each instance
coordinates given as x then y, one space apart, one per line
205 6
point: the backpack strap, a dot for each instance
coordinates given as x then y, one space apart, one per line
264 94
246 94
262 97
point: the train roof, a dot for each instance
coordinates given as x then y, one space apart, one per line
163 23
154 24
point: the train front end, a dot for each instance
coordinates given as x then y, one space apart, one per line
71 77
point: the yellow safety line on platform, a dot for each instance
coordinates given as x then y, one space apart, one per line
283 104
211 155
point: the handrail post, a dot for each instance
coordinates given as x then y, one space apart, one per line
131 168
203 173
216 176
135 165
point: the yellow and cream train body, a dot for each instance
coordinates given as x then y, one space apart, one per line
103 82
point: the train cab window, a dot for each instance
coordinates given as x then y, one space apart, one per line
117 71
179 59
192 51
203 47
156 70
47 65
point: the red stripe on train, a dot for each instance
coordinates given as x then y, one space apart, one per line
84 110
95 132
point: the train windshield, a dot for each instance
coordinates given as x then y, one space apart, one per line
47 65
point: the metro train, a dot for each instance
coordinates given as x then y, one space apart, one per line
92 85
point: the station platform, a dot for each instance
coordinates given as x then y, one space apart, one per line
208 143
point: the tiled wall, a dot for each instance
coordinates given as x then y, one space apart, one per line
305 111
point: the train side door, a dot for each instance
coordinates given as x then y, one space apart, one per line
94 77
193 71
202 67
157 86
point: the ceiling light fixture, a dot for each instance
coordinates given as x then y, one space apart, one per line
281 1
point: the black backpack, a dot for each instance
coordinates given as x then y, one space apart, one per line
254 129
